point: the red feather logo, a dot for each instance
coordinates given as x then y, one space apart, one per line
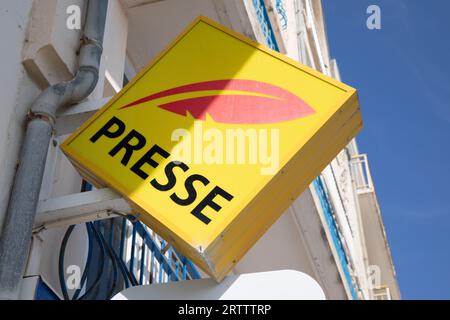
276 105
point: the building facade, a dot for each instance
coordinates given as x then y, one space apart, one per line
84 242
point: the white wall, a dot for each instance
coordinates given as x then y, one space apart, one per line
16 91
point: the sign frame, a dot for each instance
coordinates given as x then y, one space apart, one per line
221 254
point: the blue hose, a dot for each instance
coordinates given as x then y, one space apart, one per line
113 260
102 263
87 265
62 250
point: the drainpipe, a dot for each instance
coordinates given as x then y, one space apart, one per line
16 234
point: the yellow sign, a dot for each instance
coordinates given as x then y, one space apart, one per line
214 139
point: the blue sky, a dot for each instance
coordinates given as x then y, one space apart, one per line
402 72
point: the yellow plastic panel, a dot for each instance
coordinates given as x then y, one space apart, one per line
214 139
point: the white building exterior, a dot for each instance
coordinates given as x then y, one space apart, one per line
332 232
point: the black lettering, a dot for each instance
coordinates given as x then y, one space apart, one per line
192 193
171 179
209 201
129 148
105 130
147 159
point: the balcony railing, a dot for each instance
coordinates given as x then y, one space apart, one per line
119 258
265 25
336 235
361 174
382 293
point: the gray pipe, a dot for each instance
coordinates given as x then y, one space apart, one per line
16 234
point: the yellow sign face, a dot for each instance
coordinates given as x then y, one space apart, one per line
214 139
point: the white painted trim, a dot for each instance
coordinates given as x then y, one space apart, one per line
80 207
310 17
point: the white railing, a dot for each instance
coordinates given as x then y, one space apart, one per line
382 293
361 174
